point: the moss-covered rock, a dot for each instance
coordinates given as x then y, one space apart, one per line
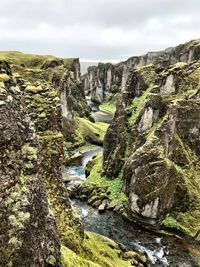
98 251
160 154
28 231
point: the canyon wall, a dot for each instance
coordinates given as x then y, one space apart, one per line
63 74
107 78
36 213
153 140
101 80
28 235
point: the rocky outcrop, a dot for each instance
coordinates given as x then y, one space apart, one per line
62 74
160 154
187 52
107 78
102 80
44 108
28 233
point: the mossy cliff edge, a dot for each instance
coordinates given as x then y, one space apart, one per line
154 142
38 226
63 74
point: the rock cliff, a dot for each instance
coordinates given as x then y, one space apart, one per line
28 235
155 135
107 78
101 80
38 226
61 73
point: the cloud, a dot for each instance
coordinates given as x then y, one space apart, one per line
97 29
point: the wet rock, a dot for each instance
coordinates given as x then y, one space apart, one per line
92 200
96 203
103 205
83 198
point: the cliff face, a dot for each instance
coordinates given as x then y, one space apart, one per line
36 214
183 53
38 226
154 137
28 235
102 80
62 74
111 78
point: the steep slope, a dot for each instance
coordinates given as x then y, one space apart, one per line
102 80
154 137
28 235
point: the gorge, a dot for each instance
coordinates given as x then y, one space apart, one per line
100 169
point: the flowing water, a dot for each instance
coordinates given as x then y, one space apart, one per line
162 250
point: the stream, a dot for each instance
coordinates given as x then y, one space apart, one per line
162 250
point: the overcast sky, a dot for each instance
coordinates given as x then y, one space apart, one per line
97 29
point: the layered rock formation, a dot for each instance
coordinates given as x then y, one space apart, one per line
107 78
154 136
102 80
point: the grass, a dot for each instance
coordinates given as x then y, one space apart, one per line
29 60
108 107
96 252
89 131
114 186
138 104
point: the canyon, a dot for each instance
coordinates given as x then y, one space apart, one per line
119 145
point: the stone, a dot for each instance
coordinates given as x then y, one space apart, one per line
96 203
103 205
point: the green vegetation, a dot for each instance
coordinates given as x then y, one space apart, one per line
4 78
88 131
96 252
138 104
29 60
108 107
114 186
173 223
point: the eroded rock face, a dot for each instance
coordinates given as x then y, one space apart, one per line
62 74
183 53
28 233
45 110
102 80
160 151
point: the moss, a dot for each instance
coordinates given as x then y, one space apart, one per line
30 60
173 223
42 115
114 186
108 107
29 152
96 252
51 260
34 89
4 78
88 131
69 258
138 104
